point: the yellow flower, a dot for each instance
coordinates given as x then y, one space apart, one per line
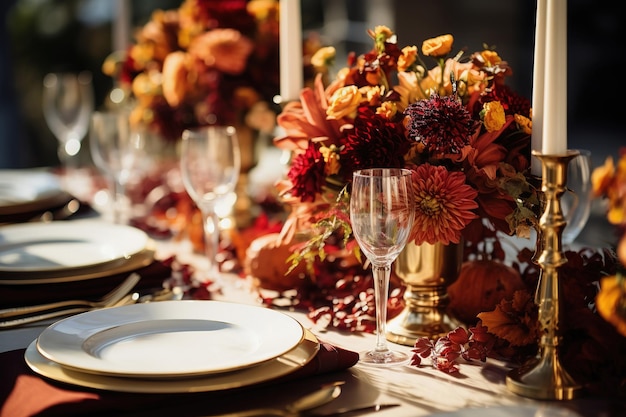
331 158
387 109
524 123
371 94
611 302
344 102
438 47
491 57
261 9
408 57
323 57
493 116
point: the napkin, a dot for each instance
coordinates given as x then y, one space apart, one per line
152 276
24 393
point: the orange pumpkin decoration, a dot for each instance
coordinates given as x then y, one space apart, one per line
266 261
481 285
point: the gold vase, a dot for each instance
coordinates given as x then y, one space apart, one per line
427 271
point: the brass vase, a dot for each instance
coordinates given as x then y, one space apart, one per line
427 271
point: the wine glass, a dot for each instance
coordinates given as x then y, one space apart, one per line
68 102
576 200
117 150
210 164
381 213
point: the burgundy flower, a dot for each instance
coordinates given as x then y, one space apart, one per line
442 124
307 173
375 141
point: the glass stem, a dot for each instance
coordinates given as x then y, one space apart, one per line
211 241
381 275
119 208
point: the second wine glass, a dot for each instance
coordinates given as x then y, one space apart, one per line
68 102
381 213
210 164
117 150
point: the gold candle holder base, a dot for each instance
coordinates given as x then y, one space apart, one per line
544 377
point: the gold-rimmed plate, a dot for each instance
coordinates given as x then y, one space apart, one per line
198 337
62 246
119 266
282 365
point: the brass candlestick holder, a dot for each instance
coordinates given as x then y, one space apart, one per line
544 377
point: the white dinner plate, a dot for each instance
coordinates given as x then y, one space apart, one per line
170 339
26 190
62 245
284 364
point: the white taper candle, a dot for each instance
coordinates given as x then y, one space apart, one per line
554 131
538 81
290 50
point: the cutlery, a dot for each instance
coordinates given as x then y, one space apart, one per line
62 213
109 299
299 407
133 298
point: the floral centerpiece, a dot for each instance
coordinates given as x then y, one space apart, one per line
206 62
456 124
461 129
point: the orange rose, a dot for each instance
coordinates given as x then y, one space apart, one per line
224 49
408 57
344 102
438 47
493 116
174 78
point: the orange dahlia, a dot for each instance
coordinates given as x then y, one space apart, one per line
444 204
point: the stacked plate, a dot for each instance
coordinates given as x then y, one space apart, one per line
172 347
26 193
62 251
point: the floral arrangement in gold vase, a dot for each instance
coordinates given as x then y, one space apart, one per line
456 123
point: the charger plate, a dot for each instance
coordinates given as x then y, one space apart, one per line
170 339
63 246
284 364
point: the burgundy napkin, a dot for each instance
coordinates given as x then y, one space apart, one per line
24 393
152 276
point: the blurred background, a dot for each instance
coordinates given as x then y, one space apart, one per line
42 36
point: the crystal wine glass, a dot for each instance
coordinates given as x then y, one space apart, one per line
210 164
576 200
68 102
117 150
381 213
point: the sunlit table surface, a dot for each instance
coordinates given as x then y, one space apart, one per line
478 390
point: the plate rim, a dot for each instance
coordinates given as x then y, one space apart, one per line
71 351
117 266
54 197
282 365
78 227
